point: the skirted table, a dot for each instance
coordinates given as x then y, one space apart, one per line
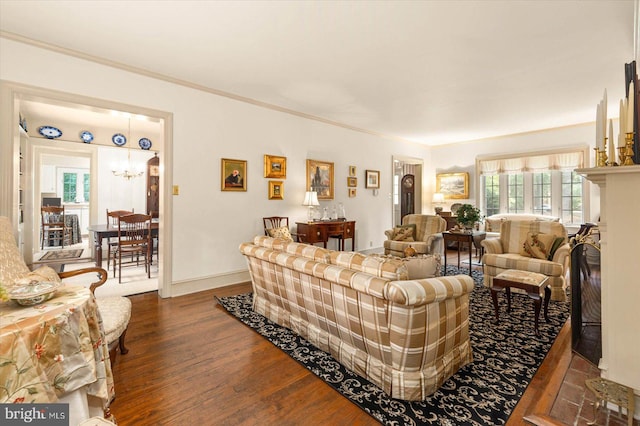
56 352
72 221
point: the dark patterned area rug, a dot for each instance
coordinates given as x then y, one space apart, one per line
485 392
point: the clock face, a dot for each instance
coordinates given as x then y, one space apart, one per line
408 182
154 170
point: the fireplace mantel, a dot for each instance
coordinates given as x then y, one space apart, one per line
620 243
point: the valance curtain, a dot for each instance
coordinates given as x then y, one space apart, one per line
565 161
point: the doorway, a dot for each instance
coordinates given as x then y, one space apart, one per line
407 187
15 96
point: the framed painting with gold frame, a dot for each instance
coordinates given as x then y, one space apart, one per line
352 182
320 178
275 167
352 171
233 175
352 192
276 190
453 185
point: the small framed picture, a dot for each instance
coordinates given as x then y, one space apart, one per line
275 167
372 179
352 181
352 171
233 175
276 190
320 178
352 192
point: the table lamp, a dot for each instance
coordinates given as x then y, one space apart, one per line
438 200
311 201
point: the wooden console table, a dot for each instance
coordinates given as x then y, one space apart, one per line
320 232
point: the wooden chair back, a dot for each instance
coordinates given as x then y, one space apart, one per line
273 222
53 220
134 231
114 215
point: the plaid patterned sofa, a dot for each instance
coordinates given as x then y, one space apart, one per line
426 235
406 336
507 252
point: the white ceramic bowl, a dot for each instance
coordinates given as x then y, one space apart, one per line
34 293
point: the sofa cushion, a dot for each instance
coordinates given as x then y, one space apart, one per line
404 233
281 232
557 243
515 261
390 268
493 225
538 245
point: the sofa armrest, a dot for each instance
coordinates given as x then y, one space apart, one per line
389 233
102 276
561 255
428 290
492 246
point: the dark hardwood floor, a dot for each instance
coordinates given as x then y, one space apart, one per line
191 363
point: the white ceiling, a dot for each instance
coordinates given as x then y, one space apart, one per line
429 71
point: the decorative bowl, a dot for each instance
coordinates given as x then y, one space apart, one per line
33 293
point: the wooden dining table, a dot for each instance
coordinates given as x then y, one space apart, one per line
103 231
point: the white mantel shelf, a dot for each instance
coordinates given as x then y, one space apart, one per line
620 268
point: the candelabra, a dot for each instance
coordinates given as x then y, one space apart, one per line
628 150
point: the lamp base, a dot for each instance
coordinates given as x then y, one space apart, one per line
438 210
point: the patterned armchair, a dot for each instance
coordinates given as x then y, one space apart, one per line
426 235
529 245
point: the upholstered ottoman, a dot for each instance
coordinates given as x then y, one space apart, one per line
531 282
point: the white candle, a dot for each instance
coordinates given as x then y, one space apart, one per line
630 108
598 128
623 111
612 146
604 114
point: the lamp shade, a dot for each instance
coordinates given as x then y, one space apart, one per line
310 199
438 198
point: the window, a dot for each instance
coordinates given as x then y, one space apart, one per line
537 183
69 187
75 185
571 198
515 200
542 193
492 194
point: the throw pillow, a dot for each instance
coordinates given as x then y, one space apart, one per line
554 247
537 245
403 233
282 233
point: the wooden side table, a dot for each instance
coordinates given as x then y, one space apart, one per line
460 238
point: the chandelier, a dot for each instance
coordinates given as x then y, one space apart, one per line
126 170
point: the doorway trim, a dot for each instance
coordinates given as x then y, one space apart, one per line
12 93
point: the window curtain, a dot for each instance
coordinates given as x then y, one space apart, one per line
564 161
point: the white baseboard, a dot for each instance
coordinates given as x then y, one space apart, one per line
180 288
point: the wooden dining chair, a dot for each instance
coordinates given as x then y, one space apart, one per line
112 221
272 223
134 238
54 227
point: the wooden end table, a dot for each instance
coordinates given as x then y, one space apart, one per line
460 238
531 282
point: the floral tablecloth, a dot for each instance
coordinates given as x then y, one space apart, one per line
52 349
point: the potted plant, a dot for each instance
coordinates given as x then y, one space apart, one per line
467 216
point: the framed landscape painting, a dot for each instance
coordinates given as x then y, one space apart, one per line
233 175
320 178
275 167
453 185
276 190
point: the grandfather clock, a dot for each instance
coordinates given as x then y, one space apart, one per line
407 188
153 186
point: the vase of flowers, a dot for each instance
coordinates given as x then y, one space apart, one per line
467 216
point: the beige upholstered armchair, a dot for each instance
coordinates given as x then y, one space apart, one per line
422 232
529 245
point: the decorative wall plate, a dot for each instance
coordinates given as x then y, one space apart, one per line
86 136
119 139
50 132
144 143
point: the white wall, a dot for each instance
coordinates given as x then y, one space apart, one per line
210 224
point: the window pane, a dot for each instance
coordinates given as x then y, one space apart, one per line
87 186
515 193
571 198
69 187
542 193
491 194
